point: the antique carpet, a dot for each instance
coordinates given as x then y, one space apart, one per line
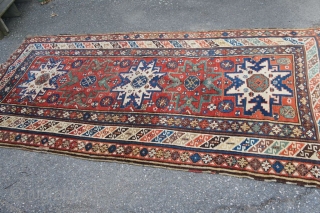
244 102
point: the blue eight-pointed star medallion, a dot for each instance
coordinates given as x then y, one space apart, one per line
138 84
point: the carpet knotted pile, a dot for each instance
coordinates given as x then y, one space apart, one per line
242 102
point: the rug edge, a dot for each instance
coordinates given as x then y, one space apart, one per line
26 40
12 57
111 159
172 32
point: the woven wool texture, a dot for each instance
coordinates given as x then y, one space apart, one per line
242 102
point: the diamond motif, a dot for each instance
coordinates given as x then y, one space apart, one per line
277 166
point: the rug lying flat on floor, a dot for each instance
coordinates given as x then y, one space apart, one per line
245 103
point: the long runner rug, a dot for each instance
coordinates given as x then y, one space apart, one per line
244 102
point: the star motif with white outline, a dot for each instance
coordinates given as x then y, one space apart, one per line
138 84
258 85
39 81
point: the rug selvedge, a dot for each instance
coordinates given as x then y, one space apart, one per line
237 102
